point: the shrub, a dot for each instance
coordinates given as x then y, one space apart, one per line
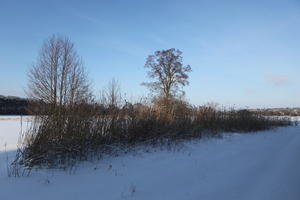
81 131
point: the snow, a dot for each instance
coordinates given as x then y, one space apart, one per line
260 166
10 129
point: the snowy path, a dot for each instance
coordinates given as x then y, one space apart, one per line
263 166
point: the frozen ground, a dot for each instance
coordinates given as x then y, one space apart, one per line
262 166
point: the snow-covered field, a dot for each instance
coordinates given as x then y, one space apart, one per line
262 166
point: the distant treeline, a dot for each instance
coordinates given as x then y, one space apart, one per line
11 105
278 111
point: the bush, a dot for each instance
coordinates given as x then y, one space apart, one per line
80 131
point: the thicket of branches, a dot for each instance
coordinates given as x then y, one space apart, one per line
85 130
58 76
75 128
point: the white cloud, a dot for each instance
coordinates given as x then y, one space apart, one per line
277 79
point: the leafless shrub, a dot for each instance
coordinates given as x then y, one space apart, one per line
82 131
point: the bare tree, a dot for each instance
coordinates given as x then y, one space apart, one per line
111 95
58 77
168 72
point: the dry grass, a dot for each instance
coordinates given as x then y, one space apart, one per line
82 132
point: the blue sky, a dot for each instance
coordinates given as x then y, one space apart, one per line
243 53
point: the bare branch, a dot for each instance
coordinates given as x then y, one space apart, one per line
58 77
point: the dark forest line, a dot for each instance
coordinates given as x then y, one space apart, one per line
11 105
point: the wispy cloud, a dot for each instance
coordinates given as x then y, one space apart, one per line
277 79
249 91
